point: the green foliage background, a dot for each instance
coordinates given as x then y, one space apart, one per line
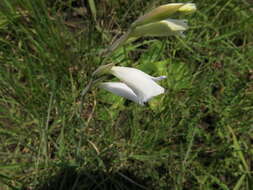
198 135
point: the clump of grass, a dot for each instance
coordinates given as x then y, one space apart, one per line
197 136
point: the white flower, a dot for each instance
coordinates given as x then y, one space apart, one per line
136 85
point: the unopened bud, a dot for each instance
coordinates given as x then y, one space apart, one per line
163 12
159 13
161 28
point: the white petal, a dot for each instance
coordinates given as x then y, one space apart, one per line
177 24
142 84
137 71
120 89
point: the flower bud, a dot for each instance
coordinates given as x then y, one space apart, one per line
161 28
163 12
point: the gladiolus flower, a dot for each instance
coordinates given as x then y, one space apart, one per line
136 85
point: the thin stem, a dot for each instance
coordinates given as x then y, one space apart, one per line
85 90
106 54
117 43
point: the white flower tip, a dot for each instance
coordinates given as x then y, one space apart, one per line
159 78
162 77
188 8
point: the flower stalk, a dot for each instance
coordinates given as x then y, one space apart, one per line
136 85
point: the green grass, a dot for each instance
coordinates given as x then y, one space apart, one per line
198 135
